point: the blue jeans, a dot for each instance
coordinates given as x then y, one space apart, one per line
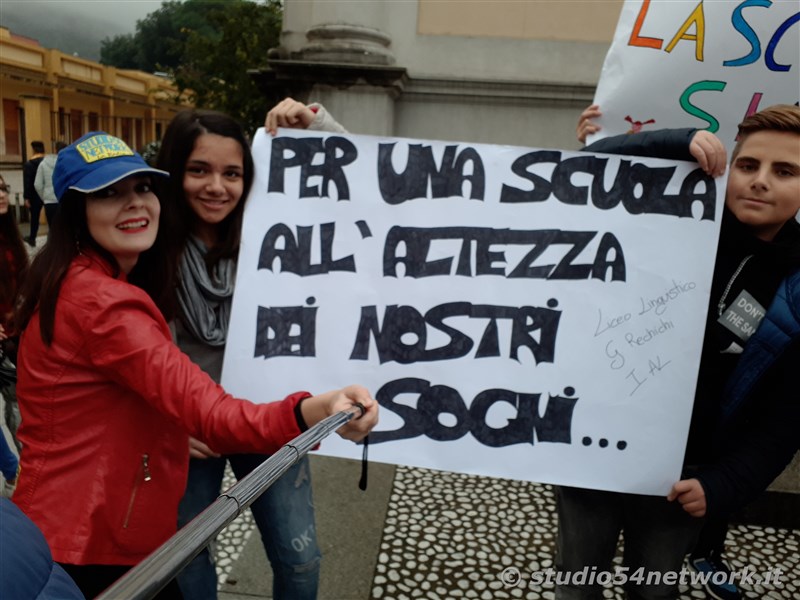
284 515
658 535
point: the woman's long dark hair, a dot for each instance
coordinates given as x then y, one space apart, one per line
68 234
177 217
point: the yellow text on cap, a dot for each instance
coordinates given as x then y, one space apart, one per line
99 147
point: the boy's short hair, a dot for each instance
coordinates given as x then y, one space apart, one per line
780 117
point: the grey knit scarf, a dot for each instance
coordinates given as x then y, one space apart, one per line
205 302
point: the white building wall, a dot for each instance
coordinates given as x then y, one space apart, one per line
506 90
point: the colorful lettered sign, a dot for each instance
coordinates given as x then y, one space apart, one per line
699 64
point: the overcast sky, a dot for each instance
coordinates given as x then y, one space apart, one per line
121 12
74 26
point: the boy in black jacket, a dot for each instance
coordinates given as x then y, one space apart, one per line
746 415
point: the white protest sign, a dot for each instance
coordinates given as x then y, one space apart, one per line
698 64
520 313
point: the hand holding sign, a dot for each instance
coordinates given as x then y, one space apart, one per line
691 495
587 124
709 152
288 113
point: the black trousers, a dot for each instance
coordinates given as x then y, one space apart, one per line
36 211
50 211
712 538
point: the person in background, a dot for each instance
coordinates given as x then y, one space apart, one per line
108 401
13 264
13 261
32 199
44 183
211 168
746 416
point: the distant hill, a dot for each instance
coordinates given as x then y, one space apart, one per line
55 25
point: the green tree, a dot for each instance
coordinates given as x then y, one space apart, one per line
164 33
121 51
160 39
214 69
207 46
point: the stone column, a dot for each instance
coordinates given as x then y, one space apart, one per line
348 67
37 121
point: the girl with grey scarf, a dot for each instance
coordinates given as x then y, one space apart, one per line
208 157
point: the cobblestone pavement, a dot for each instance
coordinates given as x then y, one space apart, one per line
450 536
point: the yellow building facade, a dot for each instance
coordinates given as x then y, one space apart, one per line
49 96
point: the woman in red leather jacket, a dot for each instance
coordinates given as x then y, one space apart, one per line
108 402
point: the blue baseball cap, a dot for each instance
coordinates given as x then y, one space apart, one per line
96 161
